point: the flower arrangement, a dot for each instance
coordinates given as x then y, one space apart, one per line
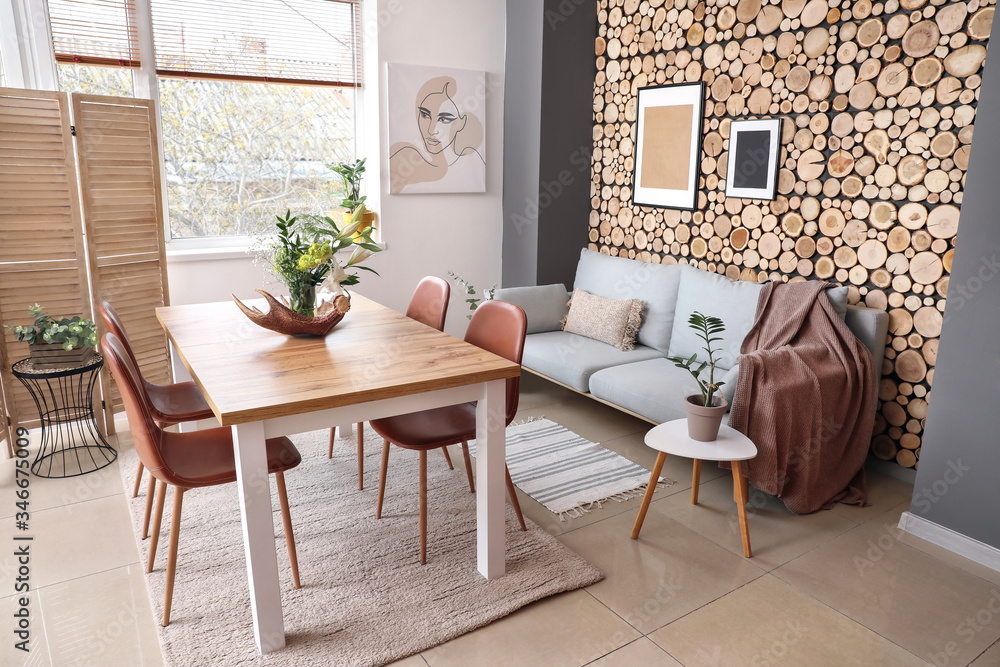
303 255
68 333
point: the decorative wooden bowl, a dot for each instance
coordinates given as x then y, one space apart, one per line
286 321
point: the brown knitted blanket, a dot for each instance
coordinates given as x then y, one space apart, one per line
806 397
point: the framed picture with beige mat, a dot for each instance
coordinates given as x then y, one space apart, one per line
668 145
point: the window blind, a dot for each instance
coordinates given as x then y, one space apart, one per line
280 41
95 32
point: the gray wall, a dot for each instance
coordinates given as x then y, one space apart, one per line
548 121
568 74
522 109
956 484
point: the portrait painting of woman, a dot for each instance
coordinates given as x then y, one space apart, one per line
436 140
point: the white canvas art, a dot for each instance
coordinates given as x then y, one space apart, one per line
436 129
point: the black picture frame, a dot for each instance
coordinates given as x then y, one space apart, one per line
669 124
754 150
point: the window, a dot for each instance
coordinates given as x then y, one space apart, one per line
253 103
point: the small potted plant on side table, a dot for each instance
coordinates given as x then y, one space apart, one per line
704 411
62 343
351 173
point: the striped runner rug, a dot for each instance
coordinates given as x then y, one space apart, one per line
567 473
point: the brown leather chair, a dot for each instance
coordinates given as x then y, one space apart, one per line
428 305
187 461
498 327
169 403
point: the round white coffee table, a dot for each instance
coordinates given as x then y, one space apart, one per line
731 445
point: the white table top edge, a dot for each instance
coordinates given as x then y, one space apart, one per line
672 438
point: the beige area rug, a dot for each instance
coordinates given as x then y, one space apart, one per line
365 598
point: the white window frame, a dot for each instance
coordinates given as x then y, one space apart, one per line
29 62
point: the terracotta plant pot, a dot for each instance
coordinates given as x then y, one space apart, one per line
703 423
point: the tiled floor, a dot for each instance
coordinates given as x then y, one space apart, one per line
842 587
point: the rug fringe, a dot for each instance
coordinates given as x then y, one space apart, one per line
587 508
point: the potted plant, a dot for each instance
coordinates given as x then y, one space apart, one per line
704 411
62 343
350 174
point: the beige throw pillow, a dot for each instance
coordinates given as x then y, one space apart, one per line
607 320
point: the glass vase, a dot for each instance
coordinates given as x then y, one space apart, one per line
302 299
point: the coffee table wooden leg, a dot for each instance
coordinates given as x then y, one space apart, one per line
695 481
739 484
657 467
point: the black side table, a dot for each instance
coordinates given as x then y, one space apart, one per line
71 442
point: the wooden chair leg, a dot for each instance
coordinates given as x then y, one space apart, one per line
286 520
329 453
175 531
468 465
154 537
512 492
381 478
695 481
423 506
138 480
447 457
150 495
361 456
657 467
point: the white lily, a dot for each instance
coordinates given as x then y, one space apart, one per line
337 276
359 255
351 229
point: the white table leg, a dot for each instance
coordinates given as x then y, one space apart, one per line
258 536
491 448
345 430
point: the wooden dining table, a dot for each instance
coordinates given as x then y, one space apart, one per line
375 363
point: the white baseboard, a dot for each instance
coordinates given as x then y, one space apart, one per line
954 542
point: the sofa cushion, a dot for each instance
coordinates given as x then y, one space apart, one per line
544 305
654 389
620 278
732 301
572 359
612 321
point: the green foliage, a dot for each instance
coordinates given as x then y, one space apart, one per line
470 290
706 328
351 173
69 333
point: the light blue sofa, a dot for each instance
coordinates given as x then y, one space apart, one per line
641 381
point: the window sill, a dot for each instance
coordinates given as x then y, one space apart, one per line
175 254
182 254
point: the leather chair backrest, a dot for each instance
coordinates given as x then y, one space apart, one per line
499 327
113 323
429 303
146 435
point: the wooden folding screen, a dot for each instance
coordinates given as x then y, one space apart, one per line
122 208
42 257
